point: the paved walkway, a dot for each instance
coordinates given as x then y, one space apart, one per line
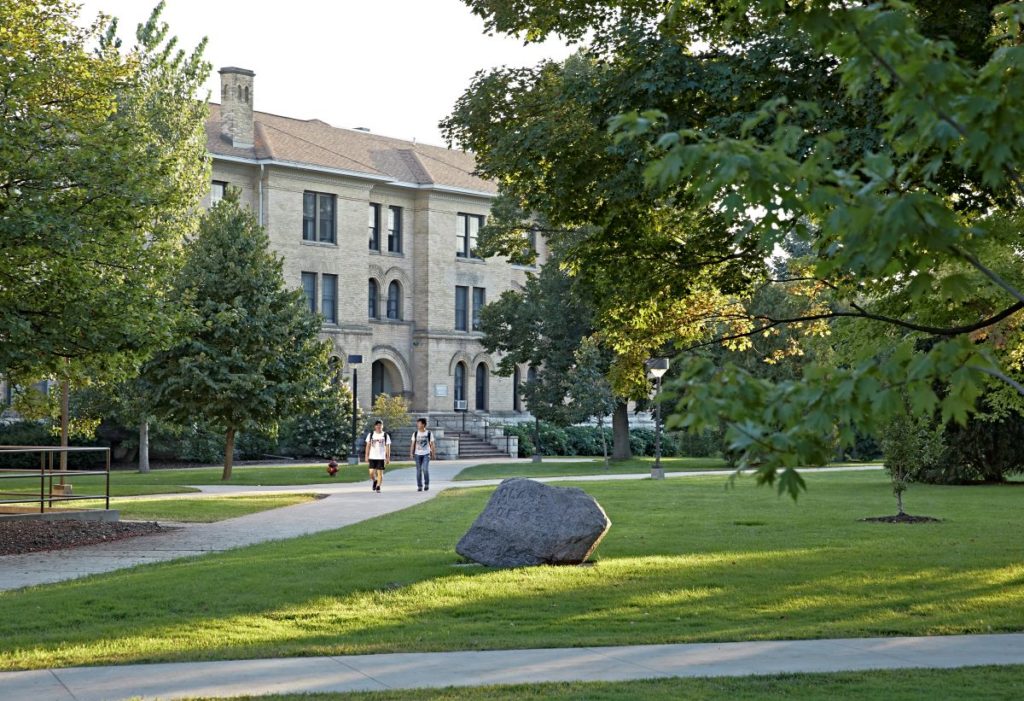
440 669
346 503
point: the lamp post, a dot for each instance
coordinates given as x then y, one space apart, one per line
354 360
656 369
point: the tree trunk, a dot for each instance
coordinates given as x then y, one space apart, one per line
144 447
899 502
229 453
620 432
604 441
65 412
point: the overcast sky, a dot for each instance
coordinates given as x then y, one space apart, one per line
393 66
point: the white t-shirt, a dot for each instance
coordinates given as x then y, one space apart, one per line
421 439
378 443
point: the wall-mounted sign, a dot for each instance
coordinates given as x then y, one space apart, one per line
440 390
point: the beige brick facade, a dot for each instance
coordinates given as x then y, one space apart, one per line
417 354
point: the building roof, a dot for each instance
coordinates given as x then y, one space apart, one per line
317 144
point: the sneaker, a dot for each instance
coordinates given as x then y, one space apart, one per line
427 488
419 489
373 486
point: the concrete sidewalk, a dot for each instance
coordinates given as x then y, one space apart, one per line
433 670
346 504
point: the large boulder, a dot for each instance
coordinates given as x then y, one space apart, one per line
529 523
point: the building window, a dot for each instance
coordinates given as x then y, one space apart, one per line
394 300
309 289
517 379
479 299
461 308
481 387
374 226
217 191
374 295
467 230
394 229
460 384
318 217
329 298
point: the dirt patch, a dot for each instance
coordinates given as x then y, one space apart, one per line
902 518
31 535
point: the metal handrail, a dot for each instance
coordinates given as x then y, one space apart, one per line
47 472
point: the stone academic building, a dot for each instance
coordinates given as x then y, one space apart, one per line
380 234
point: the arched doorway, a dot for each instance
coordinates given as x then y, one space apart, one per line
517 378
460 385
384 379
481 387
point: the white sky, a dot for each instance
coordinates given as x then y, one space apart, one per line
394 66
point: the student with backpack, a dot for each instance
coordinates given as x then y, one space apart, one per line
378 454
421 449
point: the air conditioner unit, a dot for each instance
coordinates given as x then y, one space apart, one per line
461 405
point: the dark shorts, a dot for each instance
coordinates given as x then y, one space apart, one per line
376 464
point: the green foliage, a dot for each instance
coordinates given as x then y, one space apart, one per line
102 160
392 410
910 444
880 142
325 429
985 449
525 434
248 350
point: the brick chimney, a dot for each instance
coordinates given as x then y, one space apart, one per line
236 105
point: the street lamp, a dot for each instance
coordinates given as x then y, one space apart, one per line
656 369
354 360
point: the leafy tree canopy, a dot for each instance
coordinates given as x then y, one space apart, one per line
248 352
102 159
880 140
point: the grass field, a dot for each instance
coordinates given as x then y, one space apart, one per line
975 683
559 468
685 561
204 510
124 483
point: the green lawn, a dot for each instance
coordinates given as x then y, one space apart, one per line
559 468
204 510
125 483
975 683
685 561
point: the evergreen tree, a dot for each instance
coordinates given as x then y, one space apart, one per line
248 352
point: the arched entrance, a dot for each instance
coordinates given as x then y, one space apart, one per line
481 387
460 385
384 379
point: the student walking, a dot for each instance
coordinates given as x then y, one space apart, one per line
422 449
378 454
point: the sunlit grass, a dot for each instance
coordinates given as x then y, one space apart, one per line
681 564
553 467
124 483
975 683
202 510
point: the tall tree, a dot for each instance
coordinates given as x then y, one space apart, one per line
248 353
543 326
102 158
882 137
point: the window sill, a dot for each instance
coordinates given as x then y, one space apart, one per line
527 268
321 244
390 254
474 261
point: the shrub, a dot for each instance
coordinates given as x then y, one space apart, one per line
41 433
983 450
911 445
325 431
524 432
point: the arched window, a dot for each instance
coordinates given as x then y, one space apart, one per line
481 387
247 94
460 383
517 378
373 294
394 300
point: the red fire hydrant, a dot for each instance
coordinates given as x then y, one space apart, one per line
332 468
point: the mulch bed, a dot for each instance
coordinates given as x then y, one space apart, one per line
902 518
31 535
